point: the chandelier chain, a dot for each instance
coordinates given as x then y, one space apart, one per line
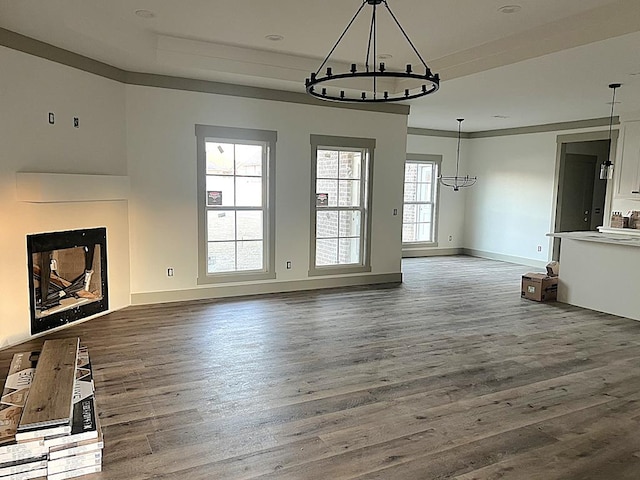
341 37
405 34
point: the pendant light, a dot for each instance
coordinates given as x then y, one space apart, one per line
606 169
457 181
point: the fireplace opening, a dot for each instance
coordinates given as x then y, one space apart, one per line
67 276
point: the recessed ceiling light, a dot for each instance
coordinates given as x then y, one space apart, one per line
634 74
145 13
385 56
510 9
275 38
501 116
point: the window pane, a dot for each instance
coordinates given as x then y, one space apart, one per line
327 165
221 257
249 225
221 225
349 251
423 193
423 233
410 172
329 187
350 165
424 213
224 185
326 224
349 194
408 232
425 172
327 252
250 255
350 224
248 192
410 192
219 158
409 213
249 160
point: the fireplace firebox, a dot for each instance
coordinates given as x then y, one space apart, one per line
67 276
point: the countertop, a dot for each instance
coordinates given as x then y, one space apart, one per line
614 236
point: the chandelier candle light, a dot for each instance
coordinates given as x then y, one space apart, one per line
326 86
457 181
606 169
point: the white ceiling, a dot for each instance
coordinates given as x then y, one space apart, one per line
550 62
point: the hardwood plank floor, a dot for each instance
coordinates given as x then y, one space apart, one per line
450 375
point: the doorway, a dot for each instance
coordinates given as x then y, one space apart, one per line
581 195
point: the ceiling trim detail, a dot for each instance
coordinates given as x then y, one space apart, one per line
549 127
44 50
31 46
429 132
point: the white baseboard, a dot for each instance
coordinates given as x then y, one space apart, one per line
223 291
430 252
529 262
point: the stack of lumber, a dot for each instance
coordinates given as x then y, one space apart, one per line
53 431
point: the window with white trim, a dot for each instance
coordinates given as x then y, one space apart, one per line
235 200
419 219
340 204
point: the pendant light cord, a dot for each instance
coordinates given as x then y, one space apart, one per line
613 102
460 120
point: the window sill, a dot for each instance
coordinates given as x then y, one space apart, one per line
338 270
418 245
235 277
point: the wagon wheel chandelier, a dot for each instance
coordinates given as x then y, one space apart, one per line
326 85
458 181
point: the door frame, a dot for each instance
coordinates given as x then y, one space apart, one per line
561 151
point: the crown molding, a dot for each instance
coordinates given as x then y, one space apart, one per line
31 46
544 128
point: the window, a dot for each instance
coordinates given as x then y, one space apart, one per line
235 202
340 206
420 199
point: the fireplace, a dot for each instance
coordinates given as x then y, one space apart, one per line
67 276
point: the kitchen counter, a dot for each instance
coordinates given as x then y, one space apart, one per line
615 236
601 271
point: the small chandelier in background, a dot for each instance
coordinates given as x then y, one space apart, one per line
326 85
457 181
606 169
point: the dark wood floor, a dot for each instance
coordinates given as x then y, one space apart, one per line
450 375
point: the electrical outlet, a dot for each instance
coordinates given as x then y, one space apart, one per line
451 238
76 122
52 118
288 264
395 211
170 272
539 248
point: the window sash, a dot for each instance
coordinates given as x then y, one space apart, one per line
237 136
364 180
236 208
432 202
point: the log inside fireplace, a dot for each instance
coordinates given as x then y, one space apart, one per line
68 276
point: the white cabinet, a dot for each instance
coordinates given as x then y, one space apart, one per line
628 163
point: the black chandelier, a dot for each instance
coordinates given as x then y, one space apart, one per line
606 169
458 181
325 86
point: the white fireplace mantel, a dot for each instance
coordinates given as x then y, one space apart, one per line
63 187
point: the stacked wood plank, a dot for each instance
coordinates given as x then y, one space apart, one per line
58 435
25 459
